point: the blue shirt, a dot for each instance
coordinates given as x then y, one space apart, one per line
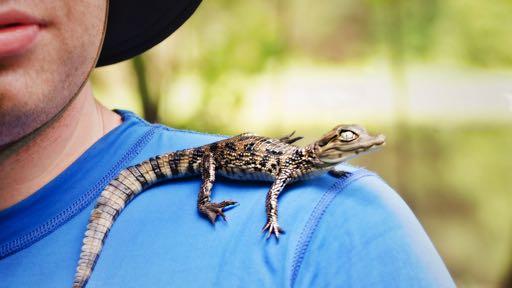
340 232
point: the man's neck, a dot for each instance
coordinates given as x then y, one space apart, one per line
51 151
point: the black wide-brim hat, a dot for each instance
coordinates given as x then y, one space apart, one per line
134 26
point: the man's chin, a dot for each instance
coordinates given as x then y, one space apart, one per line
12 132
18 123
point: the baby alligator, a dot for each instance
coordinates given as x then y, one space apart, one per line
242 157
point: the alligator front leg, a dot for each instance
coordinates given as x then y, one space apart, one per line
207 208
271 205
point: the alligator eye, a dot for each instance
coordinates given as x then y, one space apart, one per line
347 136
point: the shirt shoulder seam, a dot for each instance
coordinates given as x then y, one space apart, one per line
313 221
171 129
167 128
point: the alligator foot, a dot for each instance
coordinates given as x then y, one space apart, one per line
212 210
273 228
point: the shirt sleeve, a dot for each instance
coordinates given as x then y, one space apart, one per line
364 235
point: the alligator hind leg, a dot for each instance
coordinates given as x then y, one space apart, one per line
288 138
204 204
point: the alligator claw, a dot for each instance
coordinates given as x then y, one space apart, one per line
212 210
273 228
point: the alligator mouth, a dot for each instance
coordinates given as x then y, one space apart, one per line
348 152
372 145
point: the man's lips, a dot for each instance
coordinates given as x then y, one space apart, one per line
18 31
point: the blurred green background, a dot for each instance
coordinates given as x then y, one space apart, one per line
434 76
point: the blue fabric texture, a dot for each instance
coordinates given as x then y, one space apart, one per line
353 231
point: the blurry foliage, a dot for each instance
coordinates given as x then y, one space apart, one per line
482 31
228 40
458 185
456 178
217 47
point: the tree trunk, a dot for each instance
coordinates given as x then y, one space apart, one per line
149 104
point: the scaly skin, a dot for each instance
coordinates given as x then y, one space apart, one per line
242 157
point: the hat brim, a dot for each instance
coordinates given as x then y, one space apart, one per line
133 27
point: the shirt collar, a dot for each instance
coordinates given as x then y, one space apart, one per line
75 188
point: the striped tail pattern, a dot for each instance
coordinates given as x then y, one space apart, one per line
119 192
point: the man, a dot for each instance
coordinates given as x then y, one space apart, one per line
59 148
